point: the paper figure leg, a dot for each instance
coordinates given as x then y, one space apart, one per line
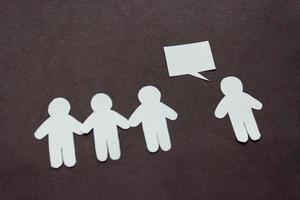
151 139
69 156
101 148
164 138
240 131
114 150
252 129
55 156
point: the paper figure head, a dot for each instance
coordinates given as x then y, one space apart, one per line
149 94
231 85
101 101
59 106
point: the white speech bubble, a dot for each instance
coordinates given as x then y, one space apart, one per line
189 59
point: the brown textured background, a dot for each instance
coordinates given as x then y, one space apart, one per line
75 49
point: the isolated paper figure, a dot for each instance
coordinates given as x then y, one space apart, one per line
153 114
104 122
238 105
60 127
189 59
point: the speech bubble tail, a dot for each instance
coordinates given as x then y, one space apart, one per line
199 76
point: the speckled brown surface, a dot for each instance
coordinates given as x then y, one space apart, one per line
75 49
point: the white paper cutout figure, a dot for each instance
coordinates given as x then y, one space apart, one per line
238 105
104 122
60 127
189 59
153 114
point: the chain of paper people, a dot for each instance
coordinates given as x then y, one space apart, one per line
151 113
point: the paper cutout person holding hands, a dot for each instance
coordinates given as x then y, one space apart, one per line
104 122
60 127
153 114
238 105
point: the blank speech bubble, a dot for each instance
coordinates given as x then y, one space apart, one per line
189 59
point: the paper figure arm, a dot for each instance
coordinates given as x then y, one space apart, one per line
169 112
87 125
121 121
76 126
136 117
221 110
43 130
255 104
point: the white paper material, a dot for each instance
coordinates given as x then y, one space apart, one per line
104 122
60 127
238 105
189 59
153 114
